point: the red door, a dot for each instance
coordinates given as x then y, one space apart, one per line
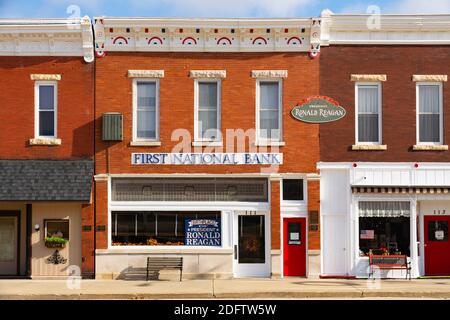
437 246
294 247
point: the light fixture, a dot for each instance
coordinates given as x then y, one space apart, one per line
37 227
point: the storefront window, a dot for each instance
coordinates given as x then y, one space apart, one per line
152 228
384 228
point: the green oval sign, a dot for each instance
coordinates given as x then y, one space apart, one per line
318 110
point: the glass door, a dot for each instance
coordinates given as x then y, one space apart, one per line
8 245
251 247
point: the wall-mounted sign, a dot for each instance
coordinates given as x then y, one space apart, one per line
318 109
207 158
202 232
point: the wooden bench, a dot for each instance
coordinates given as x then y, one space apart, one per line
390 262
155 264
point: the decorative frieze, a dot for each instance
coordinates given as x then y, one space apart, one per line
368 77
208 73
145 73
269 74
45 77
429 78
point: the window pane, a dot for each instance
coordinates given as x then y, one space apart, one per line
293 189
269 124
268 95
207 95
47 123
58 229
384 235
368 99
207 124
438 231
368 128
251 239
146 124
429 128
46 97
429 99
146 94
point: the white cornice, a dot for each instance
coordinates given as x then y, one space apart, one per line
385 29
47 37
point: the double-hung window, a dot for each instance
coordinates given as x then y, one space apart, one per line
46 106
146 110
207 110
429 113
269 123
368 113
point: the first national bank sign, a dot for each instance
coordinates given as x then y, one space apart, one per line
207 158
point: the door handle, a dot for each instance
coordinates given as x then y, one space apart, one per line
235 252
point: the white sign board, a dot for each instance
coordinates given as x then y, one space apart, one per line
207 158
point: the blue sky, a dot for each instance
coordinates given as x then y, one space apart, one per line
209 8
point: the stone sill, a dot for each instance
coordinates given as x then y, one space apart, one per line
207 144
161 250
426 147
145 143
45 142
369 147
270 144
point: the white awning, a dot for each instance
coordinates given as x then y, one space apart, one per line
384 209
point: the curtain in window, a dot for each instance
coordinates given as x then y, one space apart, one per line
384 209
429 113
368 114
269 122
47 110
146 110
208 110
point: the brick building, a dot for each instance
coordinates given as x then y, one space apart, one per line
385 173
47 147
194 132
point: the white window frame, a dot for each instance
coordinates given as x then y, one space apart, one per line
380 113
259 140
36 108
135 105
197 137
441 113
294 202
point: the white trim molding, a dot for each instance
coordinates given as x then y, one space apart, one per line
264 74
206 74
368 77
145 73
429 78
45 77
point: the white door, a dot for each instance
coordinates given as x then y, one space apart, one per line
8 245
334 251
251 245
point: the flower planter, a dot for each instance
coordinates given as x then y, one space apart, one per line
50 244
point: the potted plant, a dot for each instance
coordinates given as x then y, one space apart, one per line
55 242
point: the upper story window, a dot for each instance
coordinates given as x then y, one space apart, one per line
368 111
293 190
146 110
46 106
207 110
269 124
429 113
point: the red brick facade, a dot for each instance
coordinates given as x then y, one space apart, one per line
114 94
399 63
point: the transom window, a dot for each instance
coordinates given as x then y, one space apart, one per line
269 110
46 109
293 190
368 109
146 110
207 110
429 113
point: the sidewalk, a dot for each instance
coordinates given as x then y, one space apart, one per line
226 289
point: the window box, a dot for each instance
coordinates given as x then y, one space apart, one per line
55 242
